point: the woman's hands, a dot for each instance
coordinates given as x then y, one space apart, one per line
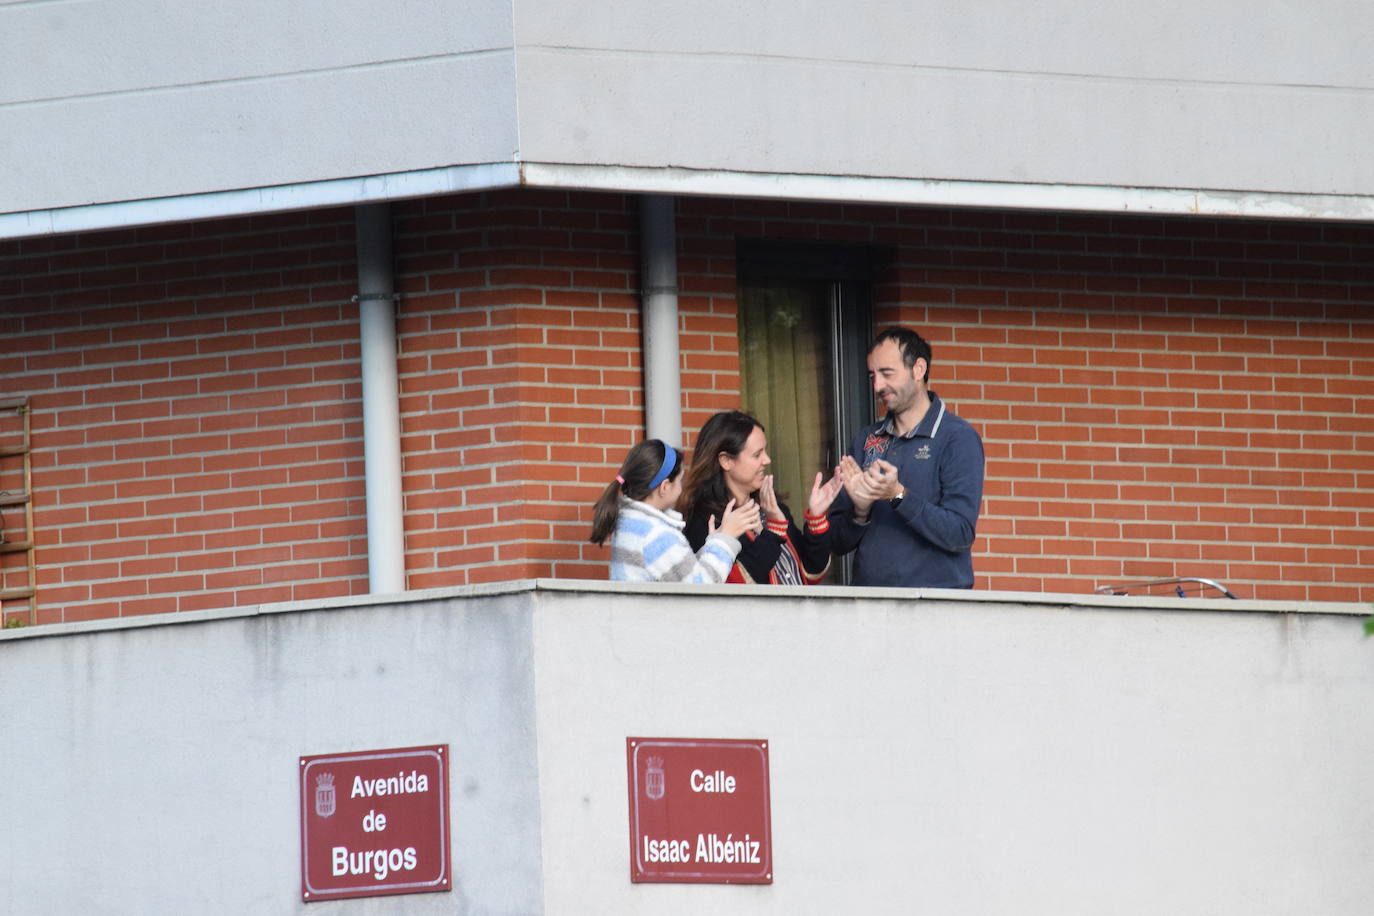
768 499
736 520
823 494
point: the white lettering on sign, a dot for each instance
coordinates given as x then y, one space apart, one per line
380 862
400 784
713 782
711 848
667 850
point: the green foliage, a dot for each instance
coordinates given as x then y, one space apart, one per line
1369 626
13 622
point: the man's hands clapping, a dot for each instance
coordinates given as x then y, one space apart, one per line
865 487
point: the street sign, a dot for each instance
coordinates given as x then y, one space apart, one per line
374 822
699 811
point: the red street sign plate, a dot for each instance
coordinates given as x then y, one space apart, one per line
374 822
699 811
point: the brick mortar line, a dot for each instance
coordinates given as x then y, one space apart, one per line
159 341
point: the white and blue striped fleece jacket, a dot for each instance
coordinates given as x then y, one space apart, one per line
648 546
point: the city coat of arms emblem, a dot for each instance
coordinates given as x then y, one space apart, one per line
653 778
325 801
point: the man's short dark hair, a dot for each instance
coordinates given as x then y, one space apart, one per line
911 345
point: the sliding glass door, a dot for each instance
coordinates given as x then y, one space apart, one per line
804 327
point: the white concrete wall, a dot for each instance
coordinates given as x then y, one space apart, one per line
122 100
1218 94
107 100
970 753
154 770
996 757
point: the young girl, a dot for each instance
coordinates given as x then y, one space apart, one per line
647 545
730 461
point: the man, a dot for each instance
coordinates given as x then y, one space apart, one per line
913 482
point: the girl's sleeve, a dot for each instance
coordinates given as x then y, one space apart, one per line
669 558
716 556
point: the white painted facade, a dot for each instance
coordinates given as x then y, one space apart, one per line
1213 107
930 751
104 100
1216 95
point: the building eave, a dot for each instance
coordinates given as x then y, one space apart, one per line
671 180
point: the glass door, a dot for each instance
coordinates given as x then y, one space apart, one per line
804 327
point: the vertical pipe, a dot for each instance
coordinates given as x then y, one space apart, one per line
381 403
658 268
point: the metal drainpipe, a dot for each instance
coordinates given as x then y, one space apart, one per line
381 408
658 268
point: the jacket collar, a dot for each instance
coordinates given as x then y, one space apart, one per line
927 428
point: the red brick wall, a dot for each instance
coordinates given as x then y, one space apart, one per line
1160 397
520 379
193 393
1157 396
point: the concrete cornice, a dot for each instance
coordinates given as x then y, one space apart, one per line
861 189
673 590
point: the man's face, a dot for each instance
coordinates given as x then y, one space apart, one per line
893 383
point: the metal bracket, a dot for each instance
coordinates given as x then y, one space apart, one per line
1178 584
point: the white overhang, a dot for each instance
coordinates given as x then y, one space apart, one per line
859 189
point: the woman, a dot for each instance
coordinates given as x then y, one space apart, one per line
730 463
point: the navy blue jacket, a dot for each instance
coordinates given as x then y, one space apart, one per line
927 540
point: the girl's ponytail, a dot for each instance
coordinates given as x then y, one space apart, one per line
606 512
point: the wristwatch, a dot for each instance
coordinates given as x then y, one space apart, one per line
896 501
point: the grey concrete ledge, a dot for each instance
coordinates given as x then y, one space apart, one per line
637 179
782 592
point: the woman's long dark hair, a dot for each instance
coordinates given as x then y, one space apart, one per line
704 491
640 467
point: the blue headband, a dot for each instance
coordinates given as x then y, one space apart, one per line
669 462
